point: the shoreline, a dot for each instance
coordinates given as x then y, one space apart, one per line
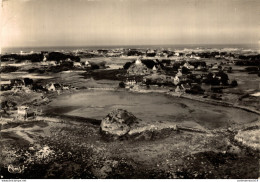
172 94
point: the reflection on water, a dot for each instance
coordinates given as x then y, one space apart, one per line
148 107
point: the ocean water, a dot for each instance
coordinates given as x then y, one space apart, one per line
248 47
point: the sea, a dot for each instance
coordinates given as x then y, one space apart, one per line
234 47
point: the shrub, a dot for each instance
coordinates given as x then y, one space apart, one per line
234 83
122 85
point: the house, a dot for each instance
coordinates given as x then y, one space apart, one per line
185 86
87 64
187 65
217 57
77 64
68 60
53 87
44 58
154 69
138 61
130 82
179 73
215 67
176 80
24 112
200 68
179 89
197 57
65 87
52 63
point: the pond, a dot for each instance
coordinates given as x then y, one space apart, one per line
148 107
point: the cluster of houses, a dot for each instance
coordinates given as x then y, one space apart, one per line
187 78
24 111
56 87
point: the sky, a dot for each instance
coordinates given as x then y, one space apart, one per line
28 23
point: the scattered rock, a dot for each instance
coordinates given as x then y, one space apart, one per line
249 138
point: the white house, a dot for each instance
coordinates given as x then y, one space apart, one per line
138 61
24 112
187 65
176 54
179 73
53 87
87 64
154 68
176 80
77 64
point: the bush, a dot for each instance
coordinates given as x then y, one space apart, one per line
234 83
224 77
127 65
8 69
253 68
27 81
196 89
94 66
122 85
185 70
216 97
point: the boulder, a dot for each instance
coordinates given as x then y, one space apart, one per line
118 123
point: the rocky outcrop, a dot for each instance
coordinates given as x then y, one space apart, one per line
121 124
156 130
118 123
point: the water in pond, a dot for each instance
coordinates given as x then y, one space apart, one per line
148 107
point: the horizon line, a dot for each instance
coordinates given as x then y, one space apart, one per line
130 45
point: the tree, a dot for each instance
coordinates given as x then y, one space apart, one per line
28 81
185 70
127 65
196 89
223 77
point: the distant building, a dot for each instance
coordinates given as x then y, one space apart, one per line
54 87
154 68
77 64
179 73
187 65
52 63
87 64
138 68
138 61
215 67
24 112
176 80
17 83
